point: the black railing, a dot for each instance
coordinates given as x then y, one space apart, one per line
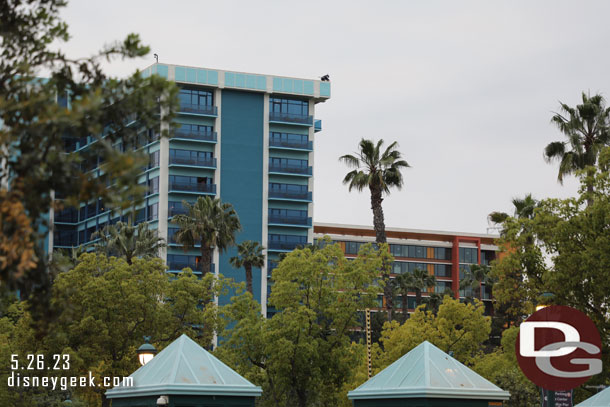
290 169
305 196
290 220
275 245
198 109
196 135
290 118
204 188
196 162
181 265
306 145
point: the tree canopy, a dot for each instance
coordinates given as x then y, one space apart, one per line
302 355
42 118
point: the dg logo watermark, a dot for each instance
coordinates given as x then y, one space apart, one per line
559 348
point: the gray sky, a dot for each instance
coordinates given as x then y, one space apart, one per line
466 88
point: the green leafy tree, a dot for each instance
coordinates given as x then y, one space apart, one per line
35 129
501 368
249 254
458 327
302 356
587 128
378 170
108 305
209 224
128 241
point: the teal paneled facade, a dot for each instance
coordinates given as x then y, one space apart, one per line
241 176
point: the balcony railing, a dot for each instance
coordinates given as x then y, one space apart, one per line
196 135
207 110
305 145
275 245
290 118
305 196
176 266
290 169
184 187
317 125
195 162
289 220
177 210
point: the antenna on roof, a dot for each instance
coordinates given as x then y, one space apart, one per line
156 57
325 78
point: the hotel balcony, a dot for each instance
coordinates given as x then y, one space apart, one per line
192 162
192 188
291 144
291 196
290 169
178 266
206 136
199 110
290 118
289 220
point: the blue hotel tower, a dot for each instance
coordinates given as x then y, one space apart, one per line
245 138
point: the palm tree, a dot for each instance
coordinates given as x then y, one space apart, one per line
524 208
474 276
129 241
421 280
379 171
587 128
209 224
249 254
402 284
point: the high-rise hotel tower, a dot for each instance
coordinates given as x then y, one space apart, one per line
245 138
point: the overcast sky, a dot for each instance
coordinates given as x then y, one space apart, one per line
467 88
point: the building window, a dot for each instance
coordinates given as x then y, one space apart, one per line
153 160
289 106
195 97
468 255
153 186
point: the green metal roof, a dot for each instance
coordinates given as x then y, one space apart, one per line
185 368
428 372
601 399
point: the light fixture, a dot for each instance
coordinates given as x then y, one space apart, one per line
163 401
146 352
545 300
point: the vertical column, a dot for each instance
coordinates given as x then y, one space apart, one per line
310 208
265 214
163 182
218 130
455 267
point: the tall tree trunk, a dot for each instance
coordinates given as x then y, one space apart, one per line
405 309
417 297
248 268
378 221
589 194
206 259
379 225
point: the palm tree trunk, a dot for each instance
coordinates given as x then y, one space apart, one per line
378 221
418 297
206 260
405 309
248 268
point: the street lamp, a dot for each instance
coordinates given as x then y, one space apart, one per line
146 352
544 300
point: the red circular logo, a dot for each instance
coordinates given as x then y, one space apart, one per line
559 348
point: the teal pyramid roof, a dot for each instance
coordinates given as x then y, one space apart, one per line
185 368
601 399
428 372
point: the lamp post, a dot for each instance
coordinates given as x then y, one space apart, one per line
544 300
146 352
